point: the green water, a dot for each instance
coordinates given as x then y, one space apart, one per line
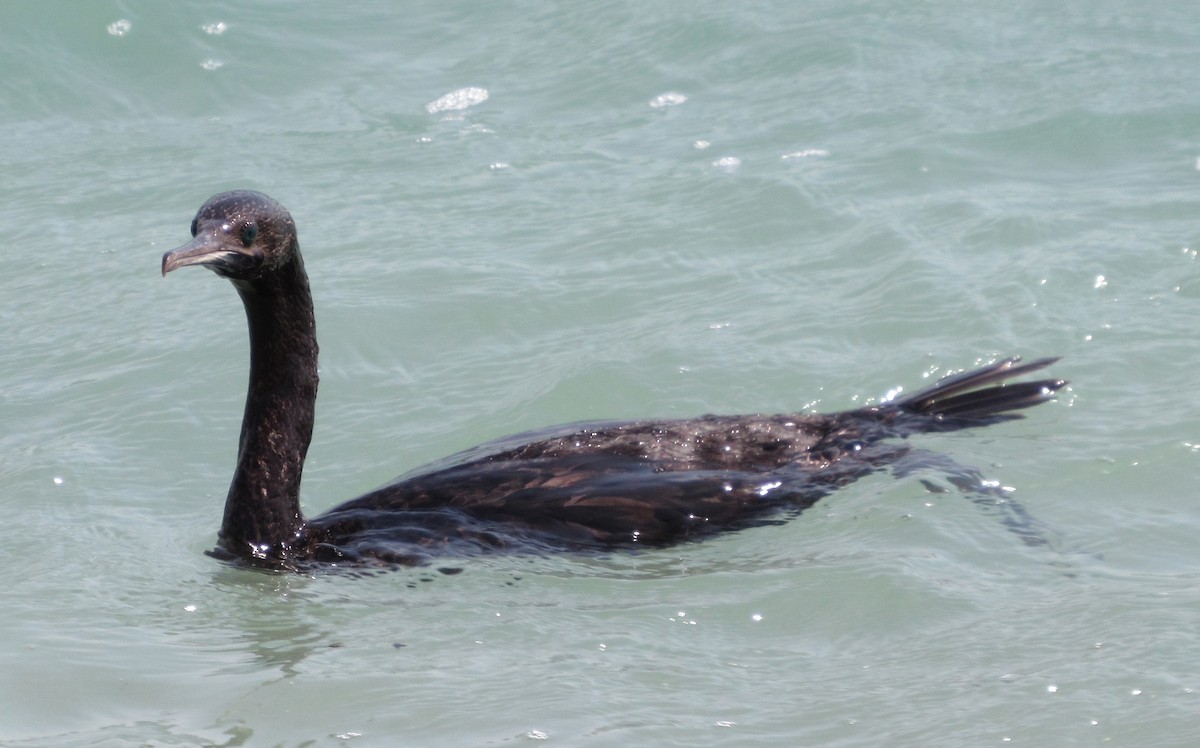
659 209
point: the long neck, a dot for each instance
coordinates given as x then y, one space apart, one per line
262 511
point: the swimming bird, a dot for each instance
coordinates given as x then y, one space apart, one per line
584 486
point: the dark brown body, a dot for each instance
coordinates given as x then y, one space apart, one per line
582 486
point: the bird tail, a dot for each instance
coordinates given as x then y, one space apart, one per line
976 398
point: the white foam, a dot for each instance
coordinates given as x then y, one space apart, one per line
728 163
670 98
807 153
456 101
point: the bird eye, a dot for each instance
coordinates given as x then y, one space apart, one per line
249 234
193 227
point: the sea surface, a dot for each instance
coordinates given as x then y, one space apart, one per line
522 214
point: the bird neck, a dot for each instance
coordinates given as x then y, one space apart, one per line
262 510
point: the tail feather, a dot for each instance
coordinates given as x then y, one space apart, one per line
965 399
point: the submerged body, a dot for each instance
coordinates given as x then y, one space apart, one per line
581 486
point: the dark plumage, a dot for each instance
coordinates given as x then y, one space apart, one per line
581 486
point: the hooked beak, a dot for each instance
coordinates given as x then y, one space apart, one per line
213 251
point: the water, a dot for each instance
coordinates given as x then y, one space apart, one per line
660 210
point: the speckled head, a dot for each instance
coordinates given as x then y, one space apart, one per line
239 235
